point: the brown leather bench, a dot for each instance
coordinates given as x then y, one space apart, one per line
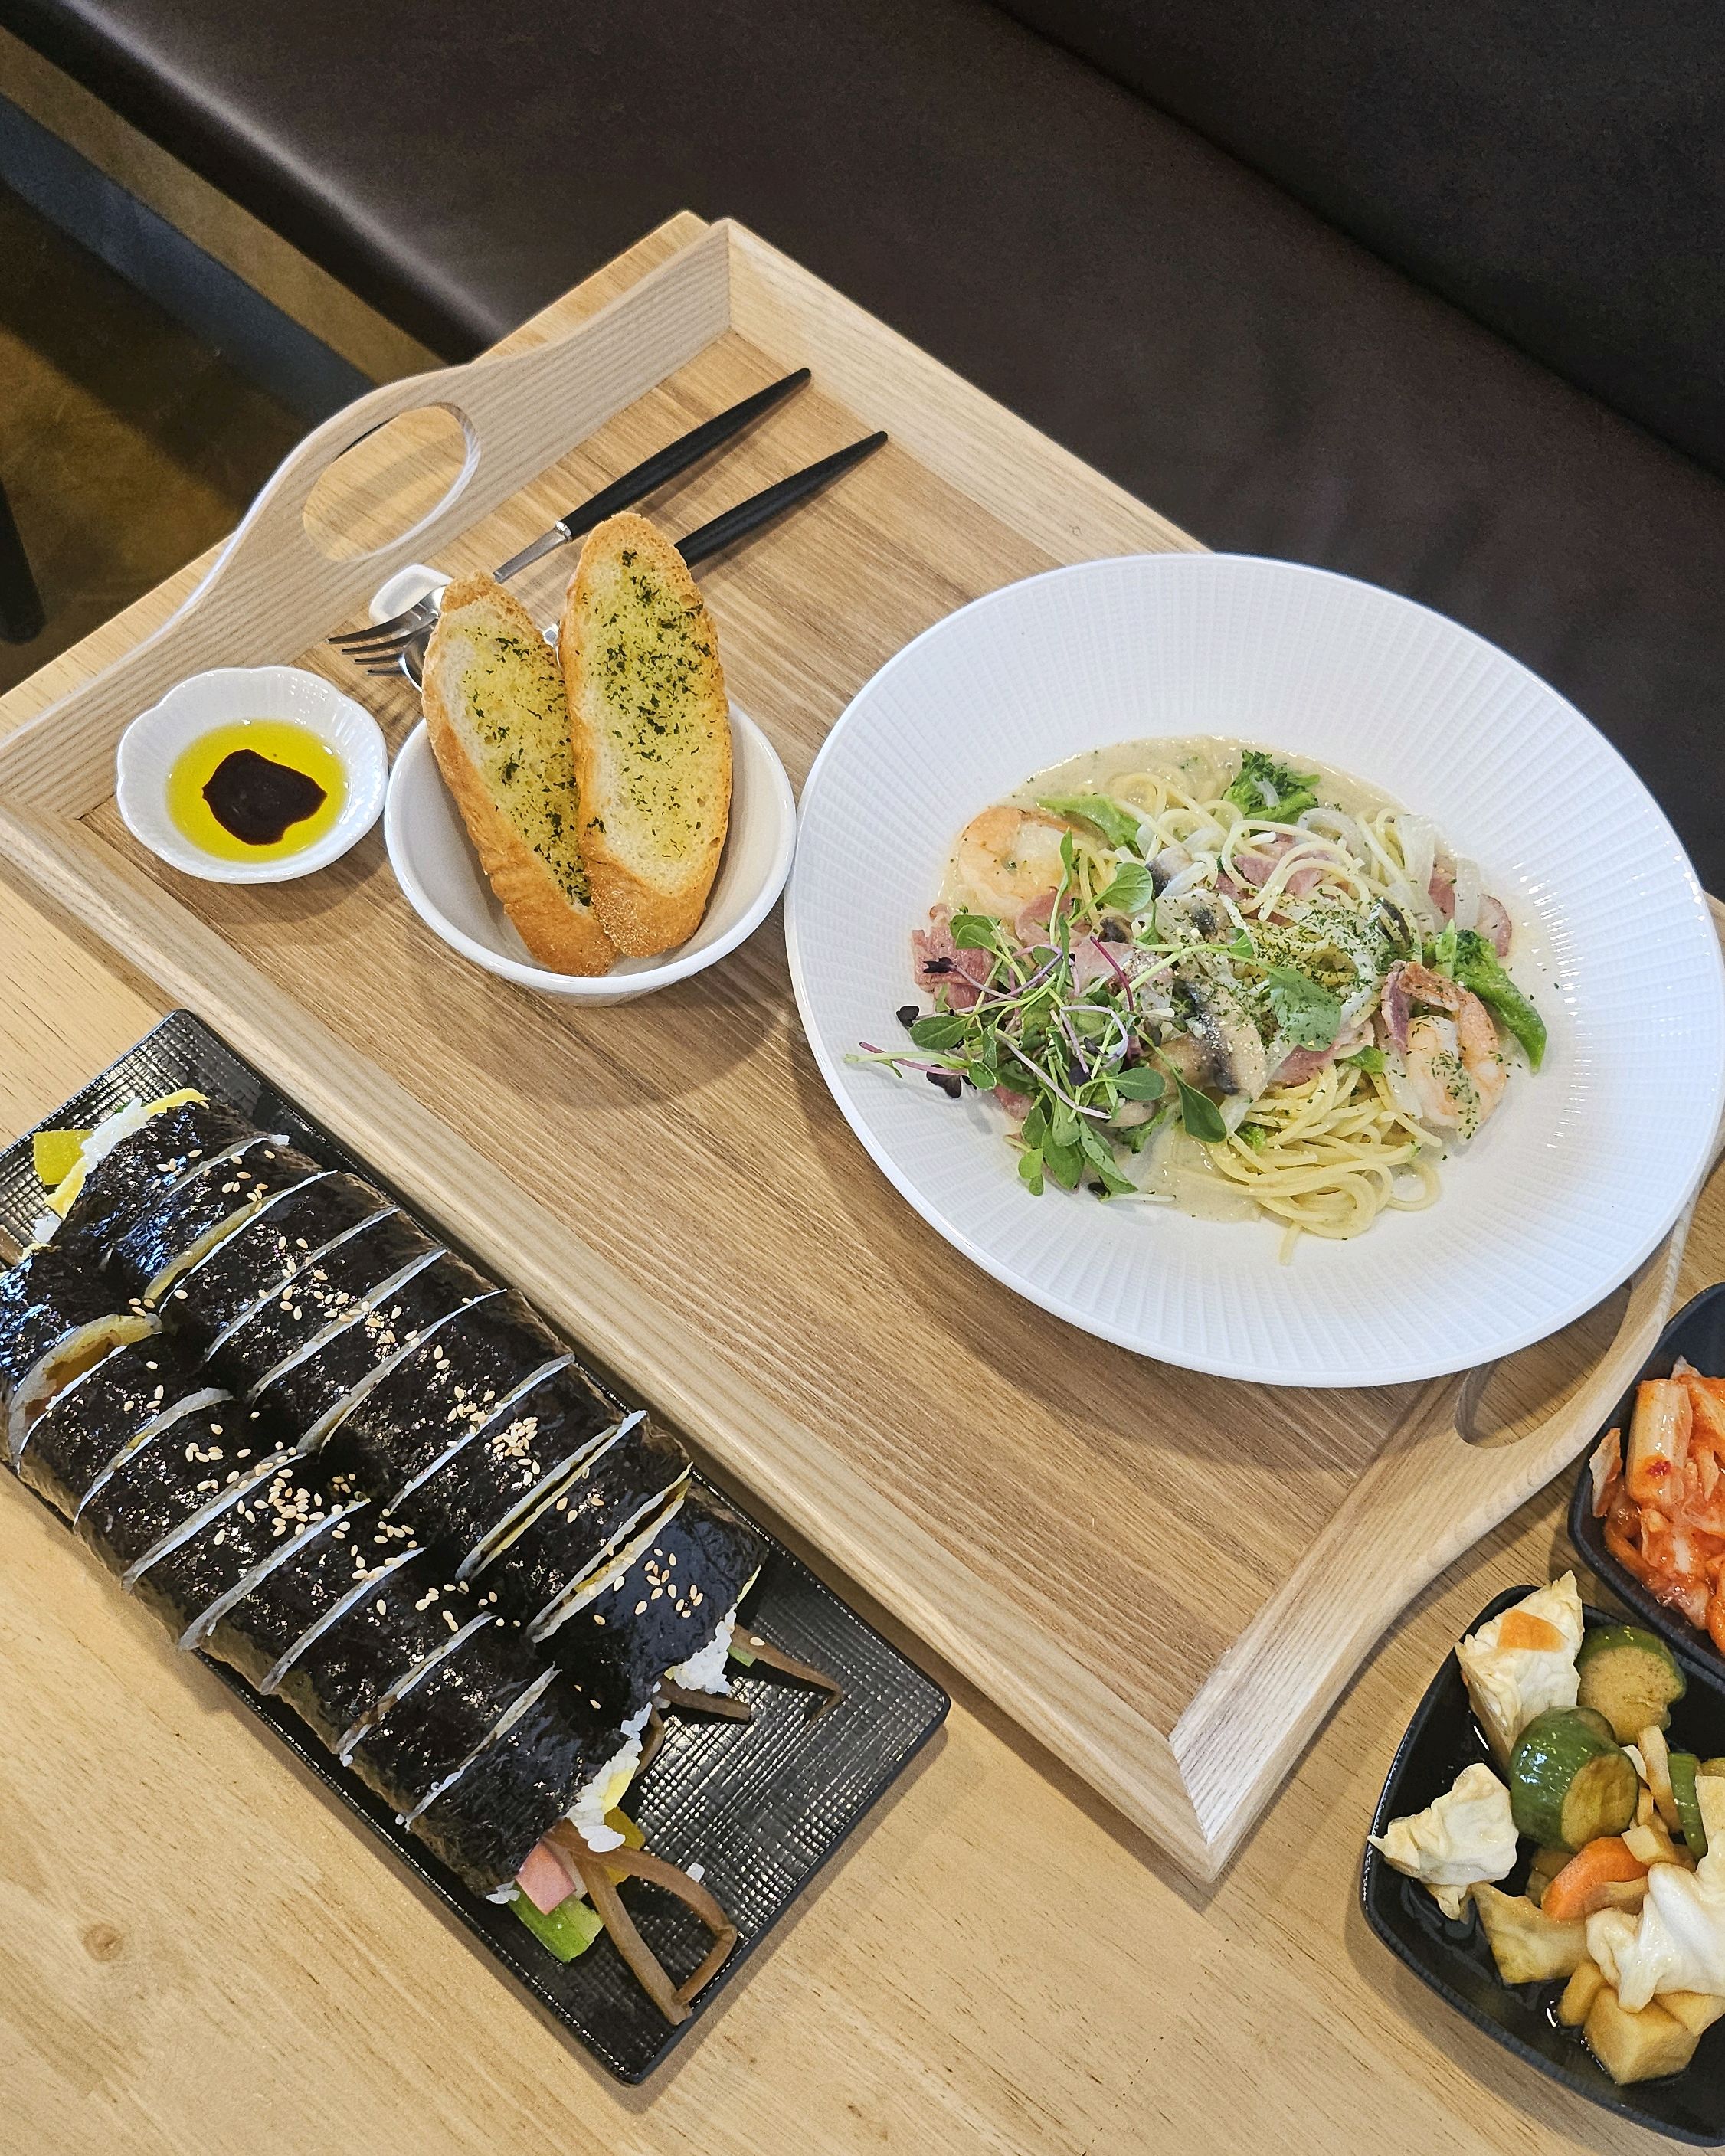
1523 424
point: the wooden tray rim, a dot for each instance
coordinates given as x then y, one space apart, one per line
270 594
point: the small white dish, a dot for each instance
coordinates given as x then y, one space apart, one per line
441 878
156 739
406 589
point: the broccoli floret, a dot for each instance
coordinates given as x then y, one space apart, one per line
1476 966
1265 788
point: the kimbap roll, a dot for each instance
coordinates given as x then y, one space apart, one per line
57 1318
189 1579
287 1232
439 1714
546 1751
659 1612
579 1523
451 1383
336 1285
325 1568
317 1392
488 1479
185 1457
132 1158
338 1678
90 1422
202 1210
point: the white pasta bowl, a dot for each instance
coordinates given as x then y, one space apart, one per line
441 878
1569 1186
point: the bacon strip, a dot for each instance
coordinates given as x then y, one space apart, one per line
1299 1063
939 963
1395 1003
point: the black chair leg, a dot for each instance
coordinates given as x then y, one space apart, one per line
21 615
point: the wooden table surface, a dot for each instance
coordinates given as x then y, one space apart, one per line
200 1954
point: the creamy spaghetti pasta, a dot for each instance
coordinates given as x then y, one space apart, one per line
1190 973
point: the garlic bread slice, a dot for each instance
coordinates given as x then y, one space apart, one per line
500 729
651 730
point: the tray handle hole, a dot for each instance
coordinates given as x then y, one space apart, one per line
383 487
1511 1399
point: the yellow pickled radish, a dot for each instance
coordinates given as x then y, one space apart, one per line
619 1822
56 1154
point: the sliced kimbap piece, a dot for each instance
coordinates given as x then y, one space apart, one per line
317 1391
132 1158
488 1479
540 1759
504 1423
451 1383
188 1579
580 1522
203 1209
188 1455
90 1422
286 1233
438 1715
659 1611
337 1284
57 1319
323 1572
337 1678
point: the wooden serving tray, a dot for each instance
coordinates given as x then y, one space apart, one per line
1166 1578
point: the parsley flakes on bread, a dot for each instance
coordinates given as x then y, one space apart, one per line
499 725
650 728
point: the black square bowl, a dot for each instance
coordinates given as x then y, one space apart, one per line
1697 1335
1454 1958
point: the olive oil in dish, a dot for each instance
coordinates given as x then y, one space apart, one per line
256 789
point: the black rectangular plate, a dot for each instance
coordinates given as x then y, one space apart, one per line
1455 1959
760 1806
1697 1335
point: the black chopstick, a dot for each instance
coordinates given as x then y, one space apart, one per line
666 463
734 524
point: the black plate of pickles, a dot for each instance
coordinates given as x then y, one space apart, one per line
756 1808
1455 1958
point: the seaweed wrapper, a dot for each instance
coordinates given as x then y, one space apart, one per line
325 1383
249 1526
327 1563
445 1715
46 1299
521 1783
142 1169
322 1294
449 1385
266 1253
344 1675
168 1478
199 1205
89 1422
584 1518
666 1605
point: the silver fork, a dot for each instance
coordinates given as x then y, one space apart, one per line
399 643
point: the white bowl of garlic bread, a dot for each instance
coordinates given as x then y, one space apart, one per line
597 821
